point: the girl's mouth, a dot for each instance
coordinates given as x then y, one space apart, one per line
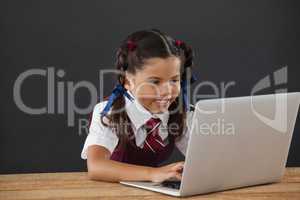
163 102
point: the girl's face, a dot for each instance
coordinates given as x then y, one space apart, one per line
157 84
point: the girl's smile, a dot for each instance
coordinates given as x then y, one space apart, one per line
164 102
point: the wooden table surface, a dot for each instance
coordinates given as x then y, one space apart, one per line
75 186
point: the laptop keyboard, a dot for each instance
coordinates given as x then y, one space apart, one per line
171 184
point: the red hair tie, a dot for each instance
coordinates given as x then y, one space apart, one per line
178 43
131 45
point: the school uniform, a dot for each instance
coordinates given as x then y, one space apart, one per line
143 148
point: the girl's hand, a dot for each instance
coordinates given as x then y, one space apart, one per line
171 171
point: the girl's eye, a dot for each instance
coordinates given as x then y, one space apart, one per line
154 81
174 81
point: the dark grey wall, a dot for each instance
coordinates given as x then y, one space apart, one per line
241 41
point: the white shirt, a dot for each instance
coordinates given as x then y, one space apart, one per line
138 114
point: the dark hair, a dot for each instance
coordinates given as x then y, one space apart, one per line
149 44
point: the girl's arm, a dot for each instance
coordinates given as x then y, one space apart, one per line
100 167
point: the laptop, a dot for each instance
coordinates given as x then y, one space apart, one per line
234 142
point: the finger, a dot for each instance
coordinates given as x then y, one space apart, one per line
180 170
177 163
170 165
178 166
171 176
181 163
178 176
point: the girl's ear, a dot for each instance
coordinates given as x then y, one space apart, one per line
129 81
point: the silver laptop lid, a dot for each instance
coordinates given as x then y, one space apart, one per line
239 141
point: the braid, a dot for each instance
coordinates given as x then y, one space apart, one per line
121 59
119 121
121 63
188 55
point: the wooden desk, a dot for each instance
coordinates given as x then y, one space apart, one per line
76 186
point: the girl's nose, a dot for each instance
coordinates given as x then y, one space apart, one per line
165 90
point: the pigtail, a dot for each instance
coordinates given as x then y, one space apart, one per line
121 63
186 54
118 120
187 59
187 77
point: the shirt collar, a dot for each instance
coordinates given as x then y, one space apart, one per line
139 115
